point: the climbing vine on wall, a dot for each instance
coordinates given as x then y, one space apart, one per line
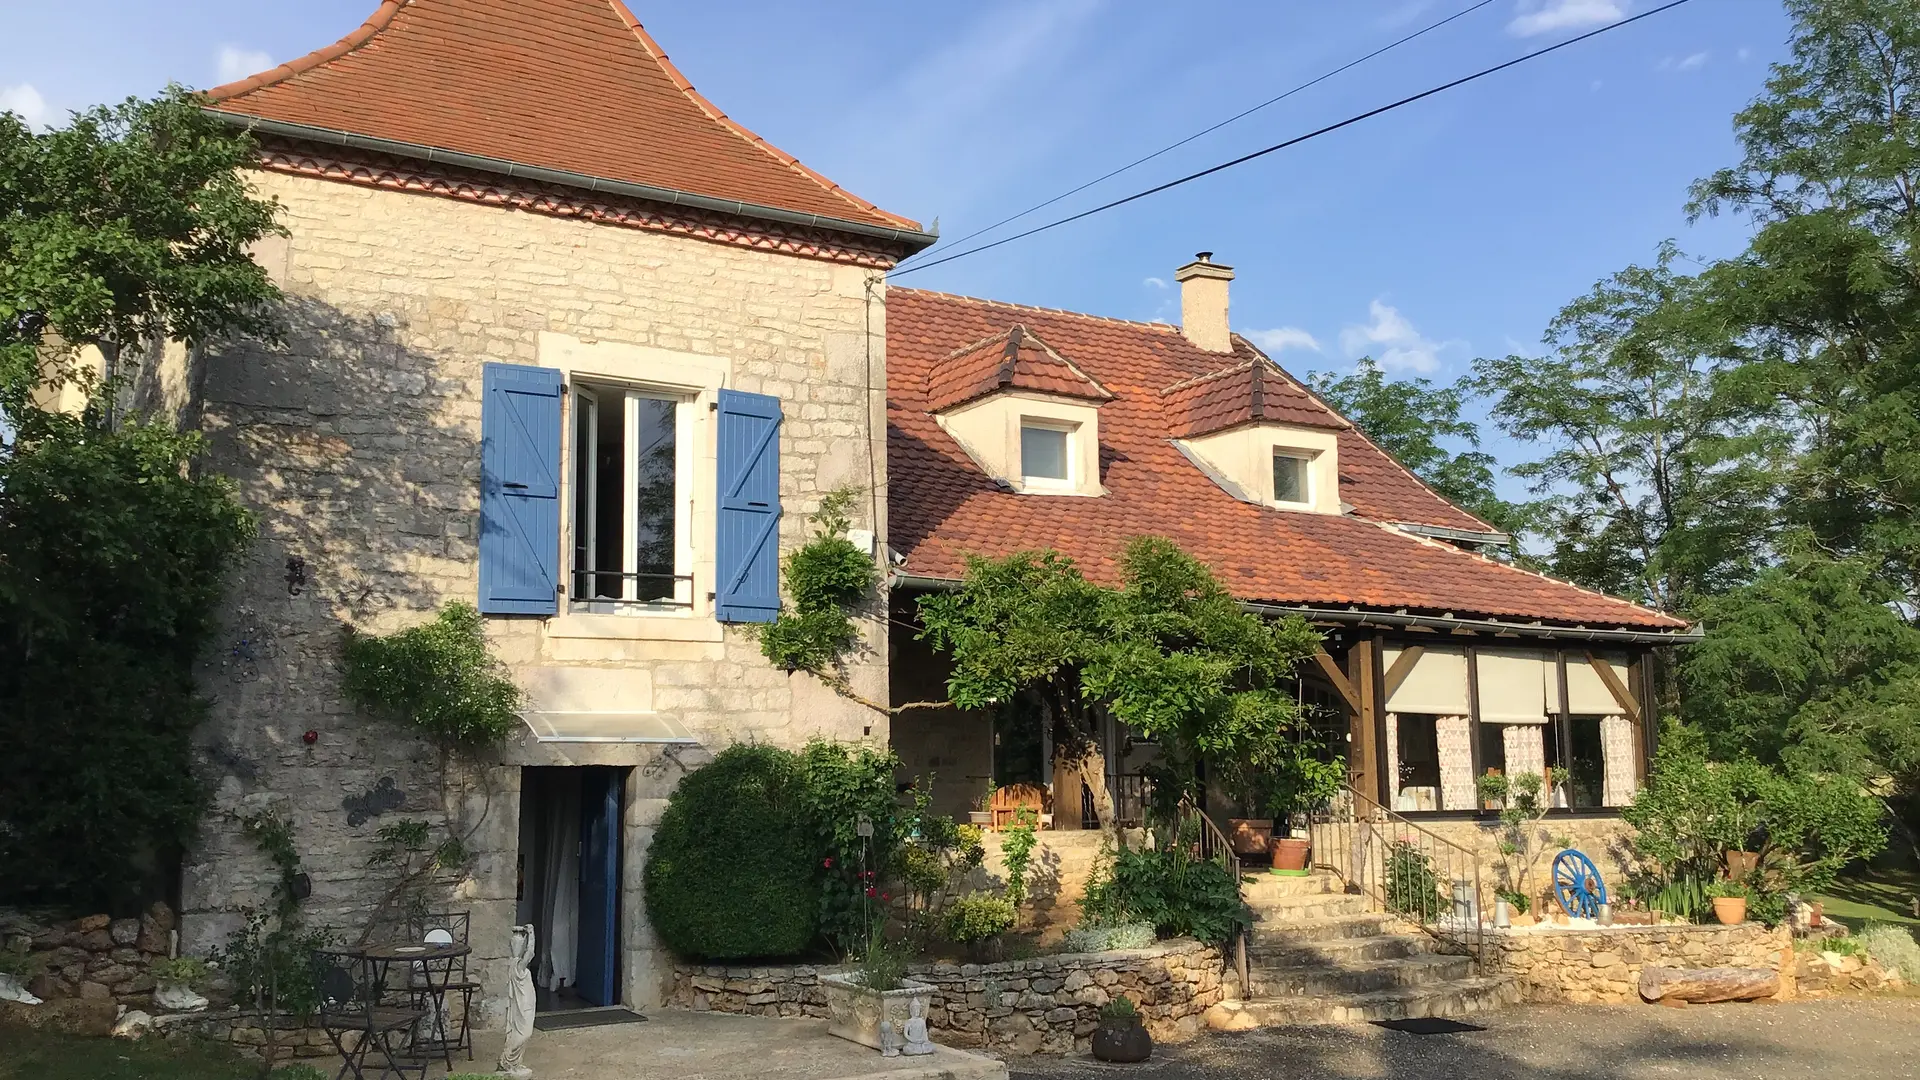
826 578
438 676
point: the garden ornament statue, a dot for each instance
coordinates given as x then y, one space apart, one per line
917 1041
519 1007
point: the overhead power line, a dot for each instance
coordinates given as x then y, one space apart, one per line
1242 115
1295 141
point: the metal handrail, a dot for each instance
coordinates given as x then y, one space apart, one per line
1214 844
1404 869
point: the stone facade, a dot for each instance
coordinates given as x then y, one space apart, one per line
95 958
1603 964
357 442
1047 1005
1601 838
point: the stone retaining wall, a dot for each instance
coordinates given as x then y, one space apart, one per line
247 1032
1603 964
1047 1005
96 958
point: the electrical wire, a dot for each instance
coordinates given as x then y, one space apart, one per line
1348 66
1297 140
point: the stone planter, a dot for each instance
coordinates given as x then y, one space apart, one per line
1290 853
857 1011
1250 835
1730 910
1122 1042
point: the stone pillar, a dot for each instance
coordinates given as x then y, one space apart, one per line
1618 748
1455 737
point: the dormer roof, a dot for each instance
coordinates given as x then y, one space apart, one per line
1014 359
1250 391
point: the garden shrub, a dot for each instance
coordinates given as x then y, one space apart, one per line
977 917
438 676
1895 947
733 872
1412 886
839 786
1170 890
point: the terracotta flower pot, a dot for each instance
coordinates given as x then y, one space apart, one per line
1119 1042
1289 853
1250 835
1730 910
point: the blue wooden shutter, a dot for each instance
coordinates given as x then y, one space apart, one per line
520 490
748 547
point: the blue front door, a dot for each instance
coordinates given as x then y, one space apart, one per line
597 970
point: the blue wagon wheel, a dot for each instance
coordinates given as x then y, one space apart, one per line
1577 884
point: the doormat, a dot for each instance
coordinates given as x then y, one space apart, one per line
1427 1025
585 1018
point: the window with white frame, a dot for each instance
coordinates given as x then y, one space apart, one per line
1291 476
632 508
1046 454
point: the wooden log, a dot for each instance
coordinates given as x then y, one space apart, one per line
1702 986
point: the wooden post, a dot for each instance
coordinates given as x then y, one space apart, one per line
1363 750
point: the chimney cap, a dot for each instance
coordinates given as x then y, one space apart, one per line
1203 256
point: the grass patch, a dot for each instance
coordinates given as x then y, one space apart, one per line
1872 894
33 1055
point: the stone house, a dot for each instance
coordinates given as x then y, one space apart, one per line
566 342
1018 428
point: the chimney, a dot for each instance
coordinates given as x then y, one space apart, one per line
1203 302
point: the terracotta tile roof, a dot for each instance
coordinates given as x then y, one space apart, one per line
1015 358
942 508
1248 391
570 85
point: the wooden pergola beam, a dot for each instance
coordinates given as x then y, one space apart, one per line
1615 687
1338 678
1403 667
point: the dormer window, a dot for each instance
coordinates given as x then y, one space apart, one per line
1046 454
1291 477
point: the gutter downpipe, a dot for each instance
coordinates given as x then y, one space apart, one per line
1395 620
911 239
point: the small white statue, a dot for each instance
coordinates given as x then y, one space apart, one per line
519 1007
889 1042
917 1041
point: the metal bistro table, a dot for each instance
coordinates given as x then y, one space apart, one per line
433 962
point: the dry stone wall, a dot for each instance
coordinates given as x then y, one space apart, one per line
94 958
1047 1005
1603 964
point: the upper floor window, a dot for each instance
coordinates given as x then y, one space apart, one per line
1291 483
1046 454
632 527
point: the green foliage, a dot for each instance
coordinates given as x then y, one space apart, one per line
298 1071
180 970
1282 779
438 676
422 867
273 965
977 917
1410 419
1520 902
733 871
21 963
274 837
1016 853
1894 946
827 577
883 965
1523 804
1120 1009
840 786
1170 653
1176 893
1729 889
1412 887
1682 896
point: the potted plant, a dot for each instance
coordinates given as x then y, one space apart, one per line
982 812
1301 783
1121 1035
1729 901
874 993
177 983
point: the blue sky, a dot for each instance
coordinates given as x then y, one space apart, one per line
1450 229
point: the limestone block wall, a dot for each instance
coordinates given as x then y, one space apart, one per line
1604 964
357 442
1048 1005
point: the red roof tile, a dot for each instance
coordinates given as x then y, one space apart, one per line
1016 359
571 85
942 508
1249 391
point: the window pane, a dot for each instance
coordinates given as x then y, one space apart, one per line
1417 787
1493 755
656 498
1289 479
609 465
583 416
1586 775
1043 453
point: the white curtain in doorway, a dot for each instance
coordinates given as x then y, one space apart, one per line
561 889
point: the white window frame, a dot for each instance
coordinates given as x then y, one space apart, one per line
1306 459
603 391
1067 430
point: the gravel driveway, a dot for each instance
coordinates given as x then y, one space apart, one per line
1831 1039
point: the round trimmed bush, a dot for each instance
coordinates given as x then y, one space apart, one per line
731 874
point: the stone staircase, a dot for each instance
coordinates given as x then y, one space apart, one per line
1318 955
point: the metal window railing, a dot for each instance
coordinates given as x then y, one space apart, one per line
1403 869
587 586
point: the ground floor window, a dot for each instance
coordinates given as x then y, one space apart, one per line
631 498
1417 768
1575 749
1493 756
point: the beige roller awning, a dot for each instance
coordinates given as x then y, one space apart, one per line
1587 693
1513 685
1436 684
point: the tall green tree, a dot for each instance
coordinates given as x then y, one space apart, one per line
1414 420
1170 653
129 225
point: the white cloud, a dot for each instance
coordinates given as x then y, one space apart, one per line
1282 338
25 101
1392 341
1155 283
1690 62
237 63
1549 16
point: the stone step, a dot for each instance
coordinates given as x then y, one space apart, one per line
1260 885
1327 980
1291 909
1461 998
1347 951
1309 932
